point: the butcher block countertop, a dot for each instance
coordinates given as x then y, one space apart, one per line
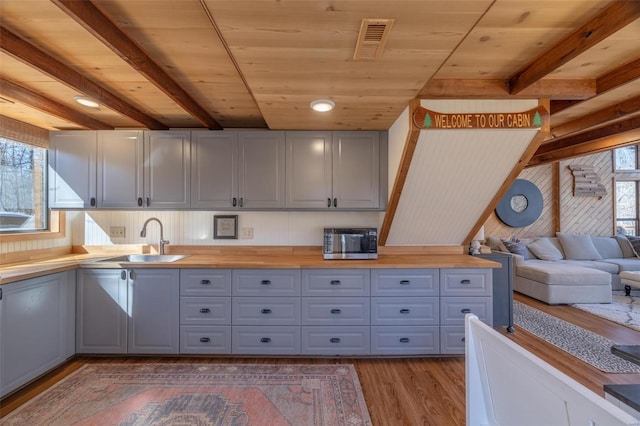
291 259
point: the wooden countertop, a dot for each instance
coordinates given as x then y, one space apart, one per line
21 271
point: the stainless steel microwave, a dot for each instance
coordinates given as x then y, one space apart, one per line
350 243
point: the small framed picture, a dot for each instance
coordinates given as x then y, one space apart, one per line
225 227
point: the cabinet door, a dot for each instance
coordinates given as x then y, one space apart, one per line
356 170
153 306
34 328
214 169
308 163
101 325
261 166
72 169
120 160
167 166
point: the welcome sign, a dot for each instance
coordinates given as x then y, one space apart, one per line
532 119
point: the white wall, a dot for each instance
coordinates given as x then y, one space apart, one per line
49 243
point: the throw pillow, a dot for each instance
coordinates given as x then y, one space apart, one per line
578 246
517 248
545 250
635 244
608 247
625 246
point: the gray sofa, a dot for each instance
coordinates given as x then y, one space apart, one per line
570 268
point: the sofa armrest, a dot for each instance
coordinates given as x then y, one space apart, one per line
517 258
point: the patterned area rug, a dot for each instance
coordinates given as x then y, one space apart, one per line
583 344
623 309
200 394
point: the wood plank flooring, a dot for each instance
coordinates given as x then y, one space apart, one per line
405 391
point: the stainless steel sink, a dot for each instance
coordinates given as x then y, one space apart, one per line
146 258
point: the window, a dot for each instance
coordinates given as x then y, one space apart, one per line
626 158
23 195
627 207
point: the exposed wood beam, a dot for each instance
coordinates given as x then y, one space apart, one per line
614 112
33 56
94 21
42 103
561 105
603 138
401 176
619 76
577 89
612 18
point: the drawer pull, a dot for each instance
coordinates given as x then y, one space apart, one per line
405 282
466 311
465 282
335 340
336 311
405 311
265 340
265 282
205 310
405 340
335 282
462 340
205 340
205 282
266 311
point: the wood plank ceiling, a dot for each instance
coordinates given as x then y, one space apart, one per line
258 63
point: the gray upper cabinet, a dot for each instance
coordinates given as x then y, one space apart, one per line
167 169
72 169
333 170
261 156
120 161
214 169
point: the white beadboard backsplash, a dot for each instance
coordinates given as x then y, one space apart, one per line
291 228
48 243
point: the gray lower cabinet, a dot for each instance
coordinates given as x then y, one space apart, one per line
37 319
405 340
128 311
336 340
272 340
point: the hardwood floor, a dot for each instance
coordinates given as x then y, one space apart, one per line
414 391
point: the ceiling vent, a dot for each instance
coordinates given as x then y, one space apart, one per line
373 35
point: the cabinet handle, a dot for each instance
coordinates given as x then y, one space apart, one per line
405 340
0 294
139 201
205 310
205 340
465 282
266 311
266 340
405 282
335 282
123 275
336 311
241 201
328 202
265 282
92 201
131 275
234 202
465 311
335 340
205 282
405 311
148 202
335 202
462 340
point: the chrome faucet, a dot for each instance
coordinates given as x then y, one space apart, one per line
162 242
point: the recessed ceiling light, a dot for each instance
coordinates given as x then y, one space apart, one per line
322 105
83 100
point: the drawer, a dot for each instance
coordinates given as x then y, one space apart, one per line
266 282
405 311
335 310
405 282
453 309
205 282
280 340
197 339
452 340
336 282
405 340
466 282
205 311
265 311
340 340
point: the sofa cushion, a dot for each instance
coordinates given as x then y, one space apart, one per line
517 248
607 247
632 264
545 250
609 267
625 246
495 243
578 246
560 273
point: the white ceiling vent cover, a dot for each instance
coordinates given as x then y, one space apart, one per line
373 35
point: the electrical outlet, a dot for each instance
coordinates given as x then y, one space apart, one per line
246 233
117 231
